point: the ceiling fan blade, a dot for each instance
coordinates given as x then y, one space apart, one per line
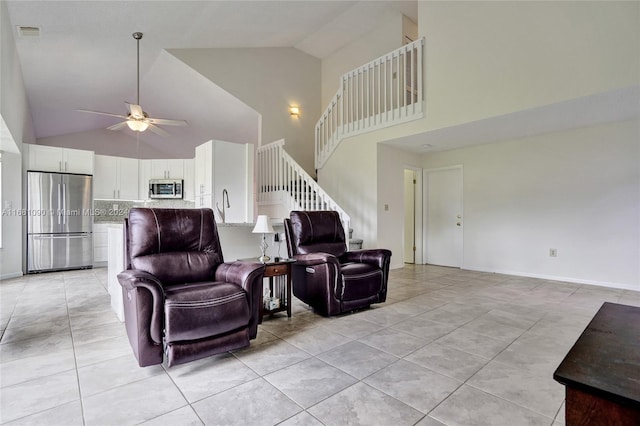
168 122
157 130
117 126
135 110
102 113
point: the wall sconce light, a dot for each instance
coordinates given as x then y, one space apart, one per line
294 111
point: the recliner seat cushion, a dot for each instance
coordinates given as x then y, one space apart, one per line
361 280
200 310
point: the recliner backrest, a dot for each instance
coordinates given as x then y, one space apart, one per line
317 231
175 245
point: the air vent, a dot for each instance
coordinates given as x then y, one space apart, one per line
26 31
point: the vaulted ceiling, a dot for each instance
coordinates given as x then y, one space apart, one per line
85 57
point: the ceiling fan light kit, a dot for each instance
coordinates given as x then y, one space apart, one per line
137 125
137 119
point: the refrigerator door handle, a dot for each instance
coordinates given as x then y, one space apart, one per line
59 207
59 236
64 203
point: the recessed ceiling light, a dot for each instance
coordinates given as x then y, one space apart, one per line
427 145
27 31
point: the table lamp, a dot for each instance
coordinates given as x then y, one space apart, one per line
263 227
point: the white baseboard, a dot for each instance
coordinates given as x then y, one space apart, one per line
556 278
11 275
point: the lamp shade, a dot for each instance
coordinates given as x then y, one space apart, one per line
262 225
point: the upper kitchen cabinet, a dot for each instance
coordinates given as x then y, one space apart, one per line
116 178
189 183
55 159
224 180
167 169
204 169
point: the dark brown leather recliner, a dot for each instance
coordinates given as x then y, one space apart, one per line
180 298
326 276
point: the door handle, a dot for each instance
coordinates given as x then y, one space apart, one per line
59 205
458 224
64 200
59 237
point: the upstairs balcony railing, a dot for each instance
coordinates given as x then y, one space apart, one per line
385 92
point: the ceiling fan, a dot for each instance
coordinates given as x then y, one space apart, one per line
137 119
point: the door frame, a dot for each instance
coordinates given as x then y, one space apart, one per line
418 214
425 195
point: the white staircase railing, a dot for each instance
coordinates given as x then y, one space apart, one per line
385 92
281 179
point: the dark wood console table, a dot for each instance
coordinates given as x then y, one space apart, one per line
601 372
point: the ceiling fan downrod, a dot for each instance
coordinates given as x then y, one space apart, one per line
138 36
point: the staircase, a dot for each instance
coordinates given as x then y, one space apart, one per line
281 180
385 92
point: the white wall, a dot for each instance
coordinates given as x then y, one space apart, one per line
386 37
351 179
484 59
11 253
16 128
268 80
14 107
390 231
576 191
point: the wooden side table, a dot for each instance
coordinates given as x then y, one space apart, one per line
279 274
601 372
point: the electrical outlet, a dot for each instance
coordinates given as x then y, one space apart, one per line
553 252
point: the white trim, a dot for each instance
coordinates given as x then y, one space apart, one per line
418 214
553 278
11 275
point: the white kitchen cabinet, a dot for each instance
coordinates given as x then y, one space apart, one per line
225 167
144 174
56 159
204 168
167 169
115 178
189 183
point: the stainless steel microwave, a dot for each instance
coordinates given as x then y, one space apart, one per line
166 188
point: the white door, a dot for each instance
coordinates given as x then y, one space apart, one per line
409 216
443 216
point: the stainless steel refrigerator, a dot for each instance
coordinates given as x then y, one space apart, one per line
59 221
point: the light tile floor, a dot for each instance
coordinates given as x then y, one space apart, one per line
448 347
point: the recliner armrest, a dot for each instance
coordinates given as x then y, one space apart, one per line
132 279
247 275
315 259
378 257
243 274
